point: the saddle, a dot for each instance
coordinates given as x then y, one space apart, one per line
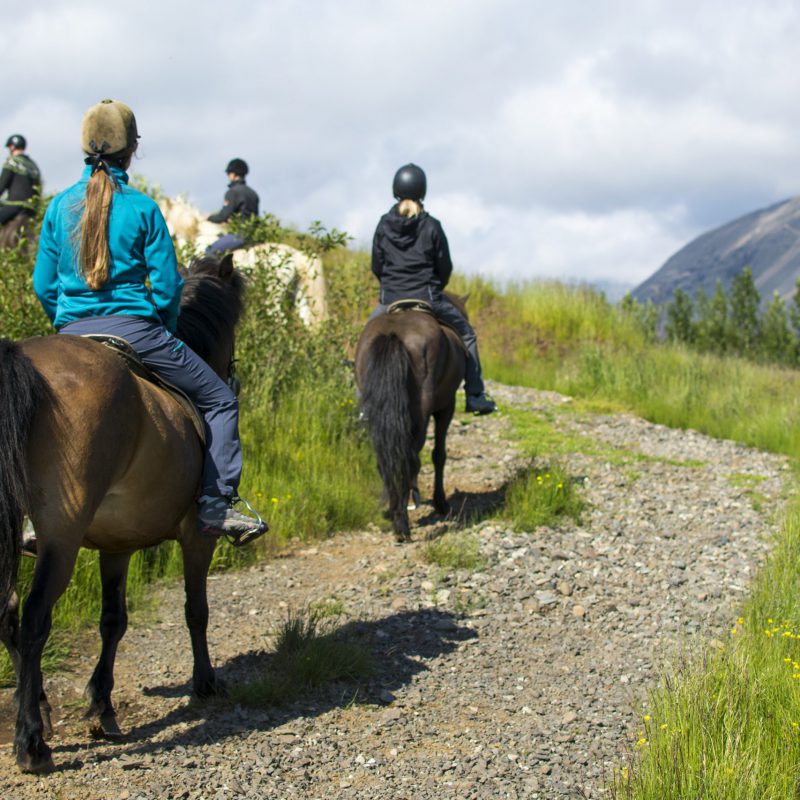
412 304
409 304
129 356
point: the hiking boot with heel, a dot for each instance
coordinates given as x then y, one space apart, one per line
218 516
480 404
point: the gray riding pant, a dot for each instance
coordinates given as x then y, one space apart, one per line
445 311
180 365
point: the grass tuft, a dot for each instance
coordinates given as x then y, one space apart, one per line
310 652
543 496
454 551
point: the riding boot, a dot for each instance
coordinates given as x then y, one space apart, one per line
478 402
218 516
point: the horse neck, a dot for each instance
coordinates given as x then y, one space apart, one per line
208 318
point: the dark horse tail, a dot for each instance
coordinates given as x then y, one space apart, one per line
386 393
20 389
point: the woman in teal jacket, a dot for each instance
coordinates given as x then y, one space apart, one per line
106 264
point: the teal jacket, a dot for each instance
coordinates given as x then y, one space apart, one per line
140 246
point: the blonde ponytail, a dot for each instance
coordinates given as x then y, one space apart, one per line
409 208
94 255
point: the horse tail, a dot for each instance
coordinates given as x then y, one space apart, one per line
386 388
21 387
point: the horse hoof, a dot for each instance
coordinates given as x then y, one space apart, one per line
39 768
39 764
109 728
212 688
414 500
402 536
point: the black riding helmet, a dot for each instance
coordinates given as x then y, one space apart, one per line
238 167
409 183
16 140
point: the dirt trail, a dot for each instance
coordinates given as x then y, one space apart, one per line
525 679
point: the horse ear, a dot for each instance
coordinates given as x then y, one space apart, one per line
226 266
464 298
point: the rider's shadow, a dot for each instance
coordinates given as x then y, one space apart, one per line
400 646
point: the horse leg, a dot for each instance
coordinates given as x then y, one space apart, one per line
113 624
9 636
197 554
441 424
50 578
9 630
400 524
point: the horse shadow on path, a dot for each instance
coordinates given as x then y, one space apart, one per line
400 645
467 507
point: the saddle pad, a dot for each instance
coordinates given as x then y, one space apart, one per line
131 358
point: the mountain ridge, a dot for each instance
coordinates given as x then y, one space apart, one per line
767 241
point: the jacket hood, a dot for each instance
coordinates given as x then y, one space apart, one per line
402 231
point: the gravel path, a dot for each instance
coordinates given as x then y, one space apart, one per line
525 679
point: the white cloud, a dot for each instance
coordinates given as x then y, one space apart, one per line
569 139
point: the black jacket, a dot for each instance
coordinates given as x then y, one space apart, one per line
239 199
410 257
21 179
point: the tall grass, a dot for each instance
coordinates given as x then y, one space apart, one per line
573 341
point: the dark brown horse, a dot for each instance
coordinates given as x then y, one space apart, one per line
15 230
408 368
101 458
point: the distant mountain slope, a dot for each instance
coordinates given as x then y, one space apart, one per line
767 241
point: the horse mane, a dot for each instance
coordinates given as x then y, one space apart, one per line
211 306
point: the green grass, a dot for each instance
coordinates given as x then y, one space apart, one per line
308 466
543 496
310 652
725 398
727 725
454 550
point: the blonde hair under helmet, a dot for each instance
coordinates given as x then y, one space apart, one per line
108 128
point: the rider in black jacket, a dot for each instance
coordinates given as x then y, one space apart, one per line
20 179
411 259
240 200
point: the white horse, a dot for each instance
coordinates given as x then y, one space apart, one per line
293 267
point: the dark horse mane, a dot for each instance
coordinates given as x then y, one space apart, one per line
210 306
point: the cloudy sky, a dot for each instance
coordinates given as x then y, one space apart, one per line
580 140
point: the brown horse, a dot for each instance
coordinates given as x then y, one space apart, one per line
408 368
101 458
17 229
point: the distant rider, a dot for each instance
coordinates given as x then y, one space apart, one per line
20 181
106 264
240 201
411 259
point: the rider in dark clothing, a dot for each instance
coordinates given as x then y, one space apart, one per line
240 200
20 180
411 259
